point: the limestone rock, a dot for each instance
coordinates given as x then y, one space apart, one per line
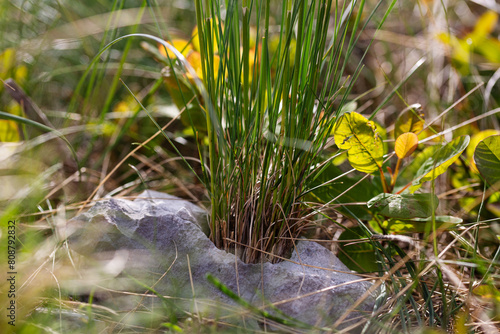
161 241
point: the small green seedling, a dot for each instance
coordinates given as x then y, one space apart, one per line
398 209
365 150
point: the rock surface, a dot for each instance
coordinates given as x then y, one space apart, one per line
161 241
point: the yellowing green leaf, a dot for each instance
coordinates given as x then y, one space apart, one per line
478 41
489 48
461 321
184 98
479 38
173 327
440 161
460 50
365 150
406 144
9 68
409 121
474 140
487 159
487 292
194 59
9 129
7 62
339 159
409 171
108 128
382 133
484 25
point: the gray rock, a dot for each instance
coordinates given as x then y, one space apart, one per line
161 241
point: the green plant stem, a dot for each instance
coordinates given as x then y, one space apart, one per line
213 195
296 73
246 66
116 79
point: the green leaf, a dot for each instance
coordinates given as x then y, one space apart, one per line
195 117
404 206
365 150
359 256
487 159
418 225
409 121
172 327
440 161
360 192
490 49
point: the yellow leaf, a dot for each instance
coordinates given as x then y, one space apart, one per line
460 51
477 41
484 25
196 39
183 46
9 131
21 74
7 62
194 59
121 106
406 144
365 149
